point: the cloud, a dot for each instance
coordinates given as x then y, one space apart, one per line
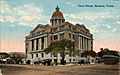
28 14
70 3
97 22
10 19
1 18
118 16
117 22
106 25
31 15
26 19
114 29
89 16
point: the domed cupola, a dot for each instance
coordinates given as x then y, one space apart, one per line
57 17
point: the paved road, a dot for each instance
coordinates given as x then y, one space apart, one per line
97 69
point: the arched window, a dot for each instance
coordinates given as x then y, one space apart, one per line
42 55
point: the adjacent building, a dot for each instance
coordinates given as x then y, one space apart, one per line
58 29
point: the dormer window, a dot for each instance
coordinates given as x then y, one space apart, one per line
61 27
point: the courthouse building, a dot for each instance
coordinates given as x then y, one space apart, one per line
42 36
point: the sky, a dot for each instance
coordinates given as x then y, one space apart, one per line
19 17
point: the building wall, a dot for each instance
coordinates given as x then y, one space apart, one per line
81 41
43 35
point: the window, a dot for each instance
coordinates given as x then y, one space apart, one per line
61 36
55 60
73 59
73 54
32 56
55 54
62 21
55 30
55 21
70 27
69 60
51 37
61 27
36 55
42 55
73 36
55 37
70 35
73 45
26 51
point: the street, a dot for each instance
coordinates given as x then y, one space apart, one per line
93 69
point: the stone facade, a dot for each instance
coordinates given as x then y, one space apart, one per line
42 36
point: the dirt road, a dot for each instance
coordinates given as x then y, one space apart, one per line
96 69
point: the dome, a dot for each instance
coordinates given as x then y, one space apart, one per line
57 13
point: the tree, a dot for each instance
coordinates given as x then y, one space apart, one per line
4 55
106 51
17 57
62 47
86 53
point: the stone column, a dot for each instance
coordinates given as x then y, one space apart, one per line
46 42
61 21
53 22
79 42
83 44
39 46
86 43
89 44
34 44
57 21
30 45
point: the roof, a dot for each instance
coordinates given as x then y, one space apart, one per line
40 27
57 13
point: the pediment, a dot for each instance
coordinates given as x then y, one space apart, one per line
82 27
38 28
